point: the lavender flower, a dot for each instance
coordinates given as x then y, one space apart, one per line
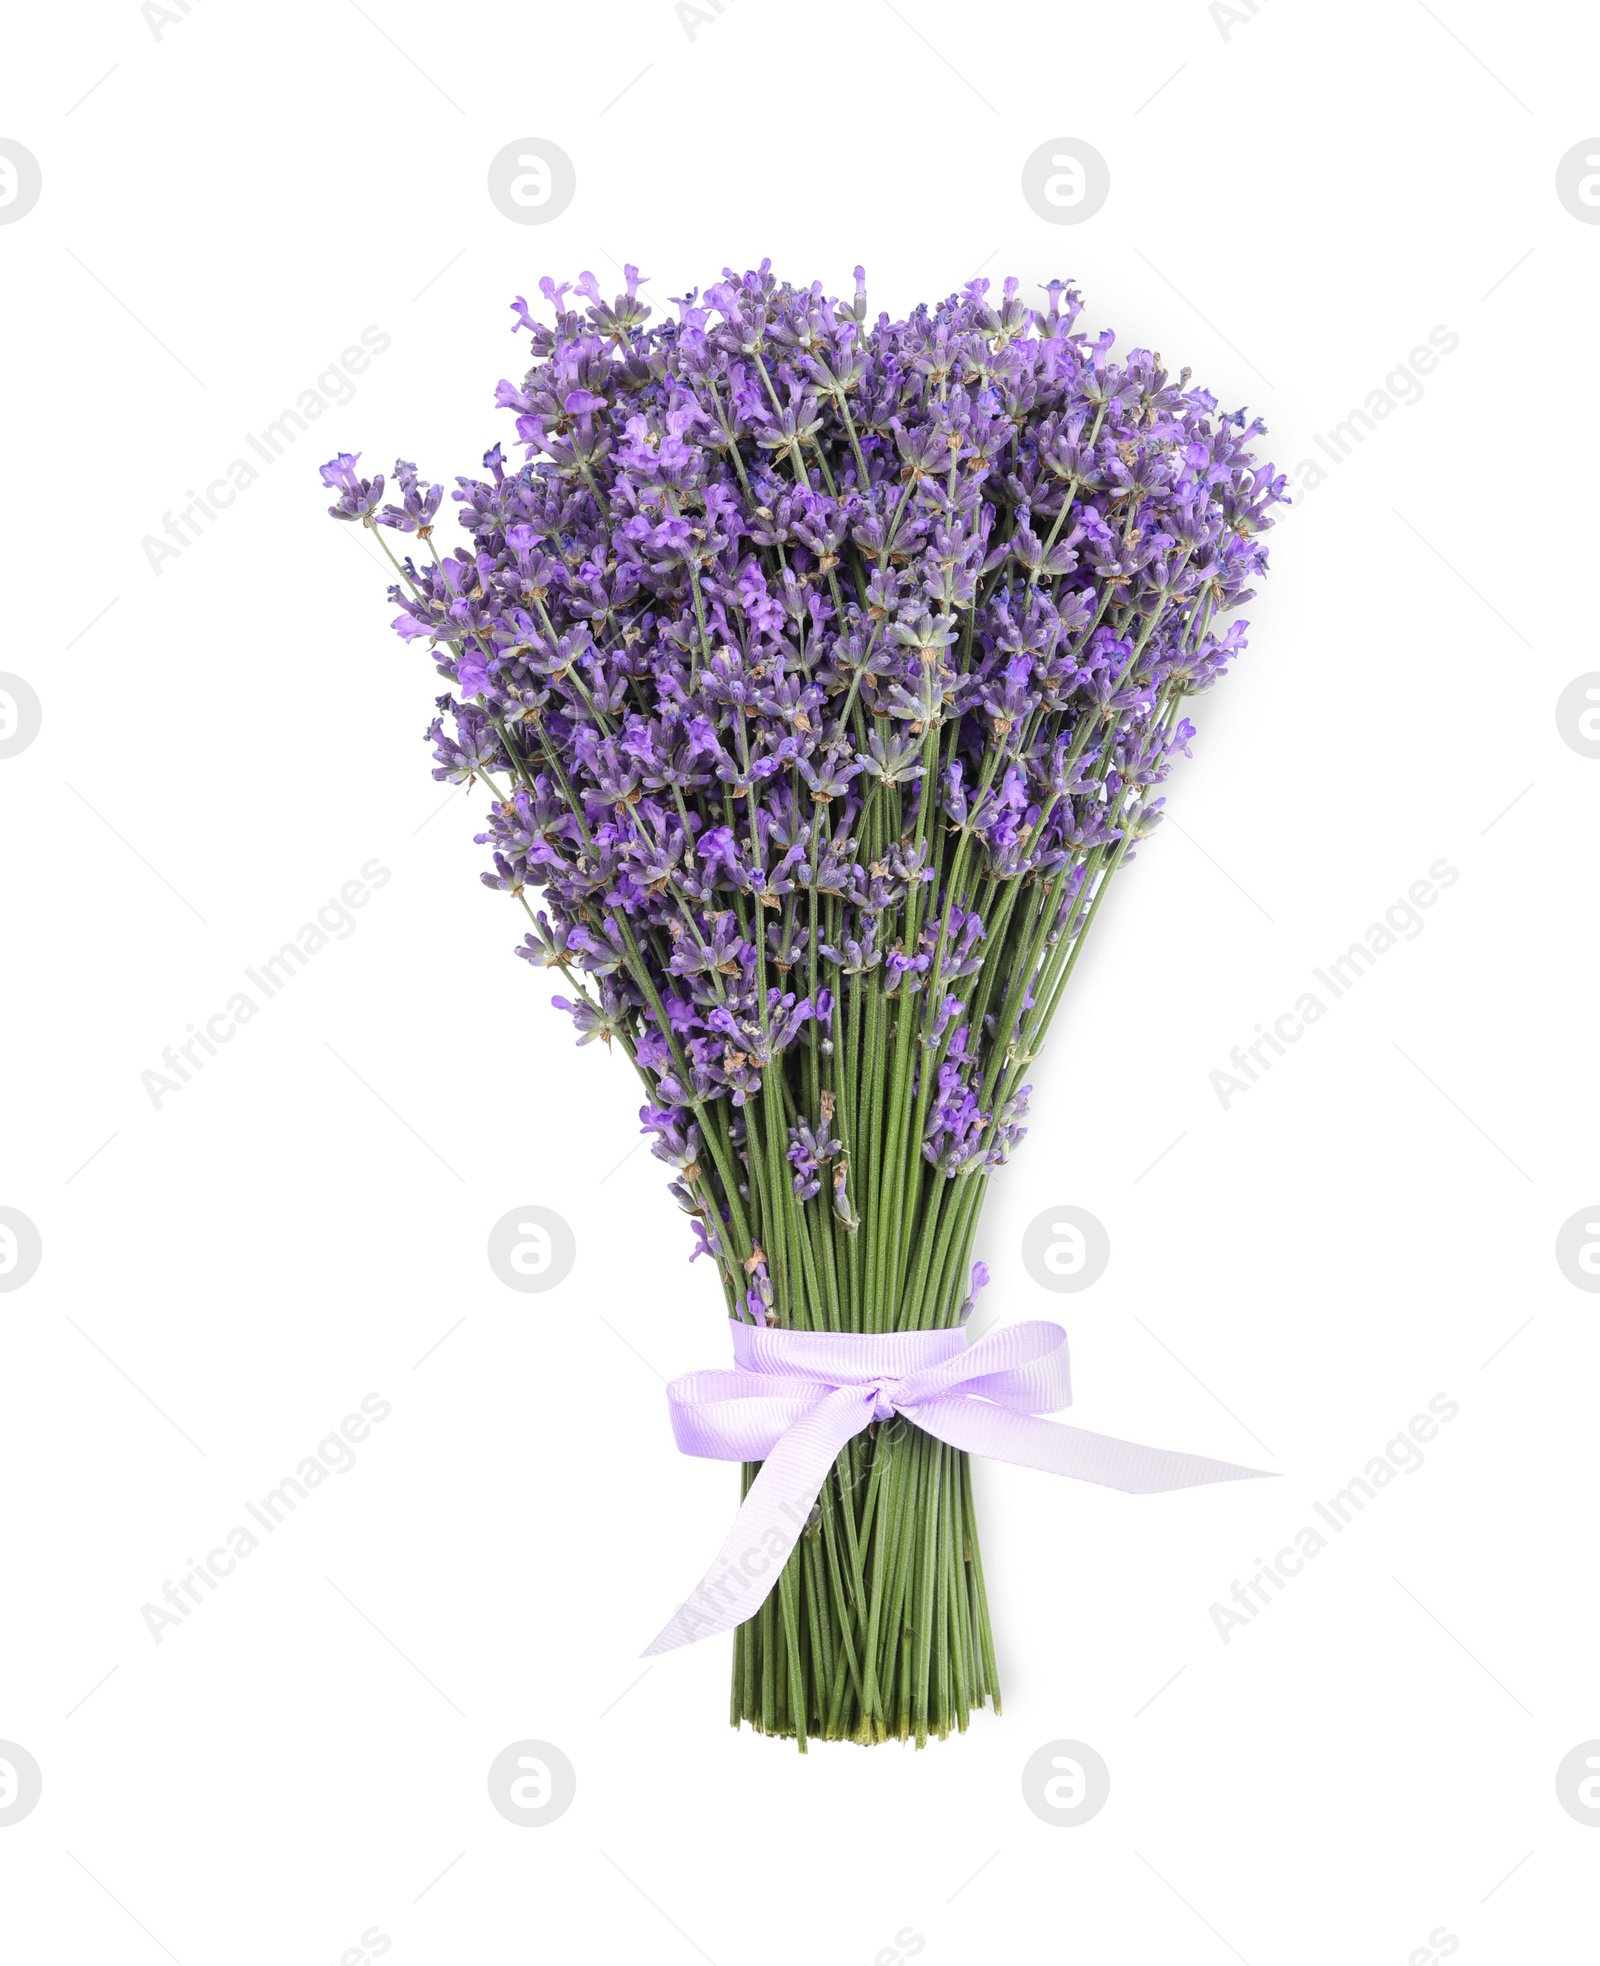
814 669
822 674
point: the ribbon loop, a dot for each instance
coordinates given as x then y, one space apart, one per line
795 1399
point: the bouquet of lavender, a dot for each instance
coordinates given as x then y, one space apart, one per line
822 674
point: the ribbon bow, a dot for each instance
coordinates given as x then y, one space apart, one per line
796 1398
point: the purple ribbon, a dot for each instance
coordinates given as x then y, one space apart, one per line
795 1399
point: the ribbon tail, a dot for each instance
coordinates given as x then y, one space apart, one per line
769 1522
977 1427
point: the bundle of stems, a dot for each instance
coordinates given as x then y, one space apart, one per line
822 676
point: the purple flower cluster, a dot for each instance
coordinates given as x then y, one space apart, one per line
821 672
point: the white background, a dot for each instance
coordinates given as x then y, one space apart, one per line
1373 1757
